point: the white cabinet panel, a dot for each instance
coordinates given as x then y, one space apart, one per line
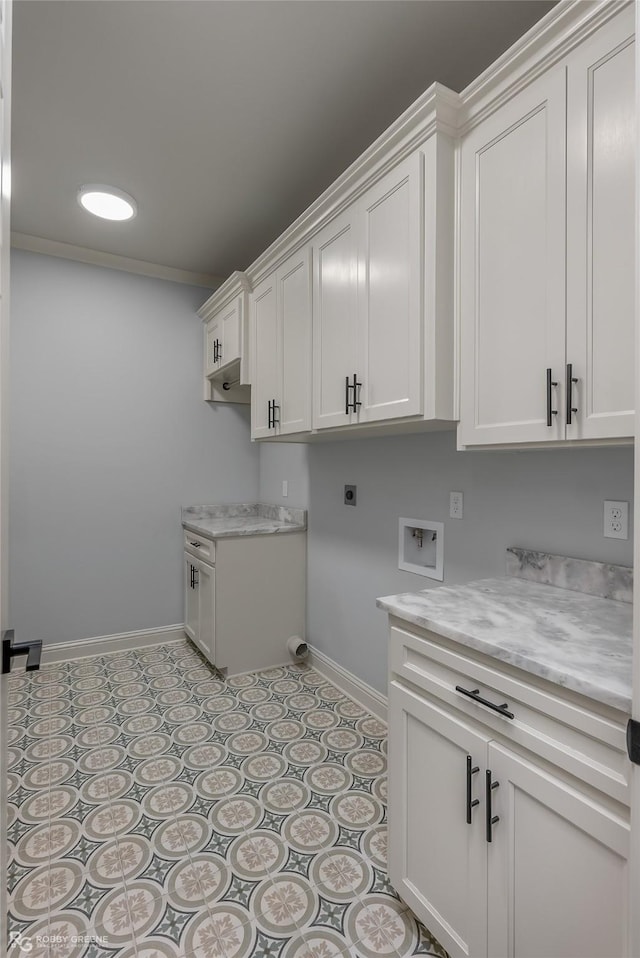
437 861
266 378
512 267
335 314
205 585
199 613
390 324
557 867
294 309
601 231
230 328
281 337
190 600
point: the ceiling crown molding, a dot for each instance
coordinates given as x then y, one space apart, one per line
94 257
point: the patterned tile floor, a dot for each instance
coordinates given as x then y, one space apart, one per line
159 811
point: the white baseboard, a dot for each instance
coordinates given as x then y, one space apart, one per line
372 700
103 644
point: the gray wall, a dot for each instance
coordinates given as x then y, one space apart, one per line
548 500
109 437
288 461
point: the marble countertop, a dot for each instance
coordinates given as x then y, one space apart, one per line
242 519
582 642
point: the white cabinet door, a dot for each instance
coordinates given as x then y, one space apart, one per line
557 867
335 315
205 586
437 861
390 303
230 321
512 268
212 346
190 599
294 322
266 366
601 163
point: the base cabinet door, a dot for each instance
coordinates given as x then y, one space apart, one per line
437 859
557 867
207 610
199 612
190 599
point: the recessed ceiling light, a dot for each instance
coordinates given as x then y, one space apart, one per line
107 202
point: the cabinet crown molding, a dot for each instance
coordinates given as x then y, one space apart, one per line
234 286
549 40
436 111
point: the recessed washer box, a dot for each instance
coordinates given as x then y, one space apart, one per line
421 547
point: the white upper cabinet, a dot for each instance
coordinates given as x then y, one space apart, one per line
512 285
226 341
335 318
281 333
224 337
547 253
601 231
389 361
382 298
265 346
294 316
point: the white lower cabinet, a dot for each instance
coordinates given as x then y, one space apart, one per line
557 877
437 862
199 590
241 611
498 852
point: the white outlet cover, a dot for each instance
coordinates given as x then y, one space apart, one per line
616 519
456 500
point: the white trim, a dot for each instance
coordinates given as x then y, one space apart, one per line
372 700
435 111
94 257
232 287
548 41
103 644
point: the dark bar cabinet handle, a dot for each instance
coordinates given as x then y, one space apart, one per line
471 802
475 695
269 423
10 648
491 818
571 379
550 412
347 404
356 386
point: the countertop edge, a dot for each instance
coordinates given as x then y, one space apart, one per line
285 529
531 666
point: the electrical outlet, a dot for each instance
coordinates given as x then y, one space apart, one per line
616 519
455 505
350 495
285 488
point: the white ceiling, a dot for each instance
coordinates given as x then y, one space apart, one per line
224 120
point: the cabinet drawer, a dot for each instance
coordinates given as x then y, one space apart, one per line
557 727
200 546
